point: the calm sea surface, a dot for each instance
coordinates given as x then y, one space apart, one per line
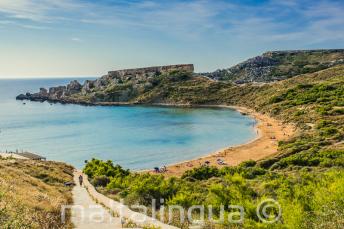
136 137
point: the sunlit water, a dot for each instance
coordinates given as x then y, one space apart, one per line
136 137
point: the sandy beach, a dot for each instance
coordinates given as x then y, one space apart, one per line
269 132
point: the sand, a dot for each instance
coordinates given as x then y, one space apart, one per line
270 131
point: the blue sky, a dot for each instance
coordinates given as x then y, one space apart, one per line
88 38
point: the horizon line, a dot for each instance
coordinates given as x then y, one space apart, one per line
47 77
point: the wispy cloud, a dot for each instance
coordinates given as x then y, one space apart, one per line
22 25
76 39
303 22
270 21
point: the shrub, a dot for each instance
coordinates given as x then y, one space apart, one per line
267 163
202 173
249 163
97 167
100 181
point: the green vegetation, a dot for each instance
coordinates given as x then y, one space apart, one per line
32 192
306 176
292 64
98 168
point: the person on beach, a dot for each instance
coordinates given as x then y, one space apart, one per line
80 180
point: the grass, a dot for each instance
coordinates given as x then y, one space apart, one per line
32 192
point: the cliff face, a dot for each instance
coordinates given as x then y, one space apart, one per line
116 86
278 65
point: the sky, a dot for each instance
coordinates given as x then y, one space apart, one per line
57 38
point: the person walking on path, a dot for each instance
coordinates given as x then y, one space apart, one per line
80 180
86 213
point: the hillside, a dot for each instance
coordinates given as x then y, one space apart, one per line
32 192
306 176
278 65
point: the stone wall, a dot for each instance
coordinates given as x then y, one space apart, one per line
150 71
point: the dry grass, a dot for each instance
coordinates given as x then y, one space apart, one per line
32 192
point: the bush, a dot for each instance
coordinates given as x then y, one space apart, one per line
100 181
267 163
97 167
247 164
202 173
328 131
176 76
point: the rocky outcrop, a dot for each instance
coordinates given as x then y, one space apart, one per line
117 86
74 87
279 65
23 97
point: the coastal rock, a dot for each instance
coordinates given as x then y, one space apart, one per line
101 82
22 97
57 92
73 87
87 87
43 93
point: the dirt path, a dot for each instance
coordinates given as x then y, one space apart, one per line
87 214
269 130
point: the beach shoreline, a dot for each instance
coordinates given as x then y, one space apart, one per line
269 132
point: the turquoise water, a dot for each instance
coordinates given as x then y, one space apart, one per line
136 137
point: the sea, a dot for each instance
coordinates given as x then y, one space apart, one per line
135 137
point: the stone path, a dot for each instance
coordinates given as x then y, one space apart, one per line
87 214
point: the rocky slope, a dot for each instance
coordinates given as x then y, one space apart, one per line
278 65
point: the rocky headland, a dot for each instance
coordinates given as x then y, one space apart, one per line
117 86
